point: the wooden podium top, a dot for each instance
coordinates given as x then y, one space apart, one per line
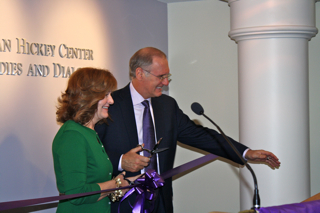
314 197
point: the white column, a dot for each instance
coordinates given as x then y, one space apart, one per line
272 37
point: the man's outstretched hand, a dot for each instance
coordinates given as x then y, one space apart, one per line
263 156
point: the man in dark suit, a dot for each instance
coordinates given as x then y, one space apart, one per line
149 72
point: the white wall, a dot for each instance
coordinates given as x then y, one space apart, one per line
203 61
114 30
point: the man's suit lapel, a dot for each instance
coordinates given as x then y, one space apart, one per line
127 112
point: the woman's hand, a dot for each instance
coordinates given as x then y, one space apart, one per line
118 181
130 180
124 183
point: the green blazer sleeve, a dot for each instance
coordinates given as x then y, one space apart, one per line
70 155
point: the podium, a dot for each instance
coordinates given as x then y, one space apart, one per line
310 205
314 197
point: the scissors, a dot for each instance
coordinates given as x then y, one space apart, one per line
155 148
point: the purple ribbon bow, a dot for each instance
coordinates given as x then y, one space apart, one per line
145 188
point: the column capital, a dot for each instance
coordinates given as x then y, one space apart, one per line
254 19
288 31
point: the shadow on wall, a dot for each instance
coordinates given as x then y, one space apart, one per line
29 181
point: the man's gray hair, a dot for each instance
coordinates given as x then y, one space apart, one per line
143 58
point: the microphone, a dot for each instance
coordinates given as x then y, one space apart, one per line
197 108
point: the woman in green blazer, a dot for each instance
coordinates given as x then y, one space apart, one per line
80 161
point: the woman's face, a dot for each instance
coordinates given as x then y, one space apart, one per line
103 105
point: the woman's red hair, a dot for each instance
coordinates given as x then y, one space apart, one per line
86 87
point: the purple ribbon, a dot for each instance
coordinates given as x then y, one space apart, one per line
151 179
310 207
189 165
145 187
147 184
29 202
154 181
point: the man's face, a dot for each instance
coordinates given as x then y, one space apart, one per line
152 84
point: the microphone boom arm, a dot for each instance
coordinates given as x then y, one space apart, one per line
256 197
